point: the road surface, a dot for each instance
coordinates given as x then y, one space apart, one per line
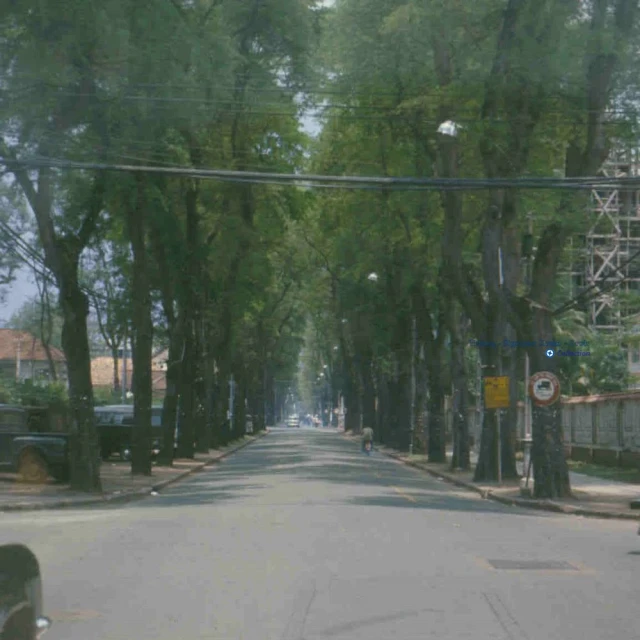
300 536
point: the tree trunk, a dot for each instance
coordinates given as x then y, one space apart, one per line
403 390
202 434
116 369
239 410
186 427
487 467
368 395
334 402
421 435
352 406
550 469
170 404
210 399
461 453
143 331
382 414
436 445
221 406
260 402
84 454
46 327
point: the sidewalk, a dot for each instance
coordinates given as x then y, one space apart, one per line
592 497
118 485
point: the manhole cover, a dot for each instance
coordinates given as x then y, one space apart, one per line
532 565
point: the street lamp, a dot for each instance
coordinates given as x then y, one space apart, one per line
527 254
449 128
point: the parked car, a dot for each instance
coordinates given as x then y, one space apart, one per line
34 456
115 425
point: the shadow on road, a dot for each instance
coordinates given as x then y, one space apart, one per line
320 457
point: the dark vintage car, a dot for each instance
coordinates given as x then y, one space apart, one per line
33 455
115 425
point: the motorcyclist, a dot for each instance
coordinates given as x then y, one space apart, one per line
367 437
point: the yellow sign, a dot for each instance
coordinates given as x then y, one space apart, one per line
496 392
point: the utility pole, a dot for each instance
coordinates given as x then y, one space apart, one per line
18 358
414 340
232 385
499 411
124 368
528 254
264 394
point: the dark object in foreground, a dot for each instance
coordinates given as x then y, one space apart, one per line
21 604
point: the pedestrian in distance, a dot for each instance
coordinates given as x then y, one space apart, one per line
367 438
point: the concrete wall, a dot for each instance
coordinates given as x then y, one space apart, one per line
604 428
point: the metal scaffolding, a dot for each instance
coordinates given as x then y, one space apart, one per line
600 255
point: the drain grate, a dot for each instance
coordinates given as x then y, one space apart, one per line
531 565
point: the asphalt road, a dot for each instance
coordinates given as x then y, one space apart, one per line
300 536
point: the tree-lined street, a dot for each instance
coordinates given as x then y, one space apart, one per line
300 536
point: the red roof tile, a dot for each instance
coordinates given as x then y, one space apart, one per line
29 347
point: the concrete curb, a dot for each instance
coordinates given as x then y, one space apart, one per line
119 497
540 505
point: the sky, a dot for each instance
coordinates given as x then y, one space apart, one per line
19 292
24 288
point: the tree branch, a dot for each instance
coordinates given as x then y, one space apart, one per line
20 174
323 256
94 209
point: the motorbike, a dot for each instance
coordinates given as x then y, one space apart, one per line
367 448
21 606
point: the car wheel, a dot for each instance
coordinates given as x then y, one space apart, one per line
62 474
33 468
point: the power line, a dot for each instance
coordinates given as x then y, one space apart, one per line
244 106
321 88
38 265
402 183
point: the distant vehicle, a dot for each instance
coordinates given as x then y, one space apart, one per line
34 456
293 421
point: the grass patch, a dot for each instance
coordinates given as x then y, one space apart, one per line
418 457
621 474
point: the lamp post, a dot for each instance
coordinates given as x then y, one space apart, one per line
527 253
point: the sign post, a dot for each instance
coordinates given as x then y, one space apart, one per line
496 396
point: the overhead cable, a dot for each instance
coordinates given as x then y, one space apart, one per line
315 180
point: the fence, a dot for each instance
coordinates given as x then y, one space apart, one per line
603 428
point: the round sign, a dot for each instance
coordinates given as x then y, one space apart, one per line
544 388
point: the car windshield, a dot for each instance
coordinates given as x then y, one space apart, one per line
321 318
